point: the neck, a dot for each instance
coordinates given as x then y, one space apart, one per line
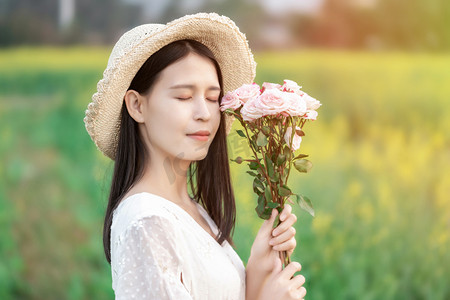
166 177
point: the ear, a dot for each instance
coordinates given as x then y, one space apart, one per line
134 102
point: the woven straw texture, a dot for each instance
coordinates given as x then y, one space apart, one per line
218 33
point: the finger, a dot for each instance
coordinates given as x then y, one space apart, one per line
289 252
289 245
290 270
285 236
297 281
268 224
300 293
285 225
277 267
286 212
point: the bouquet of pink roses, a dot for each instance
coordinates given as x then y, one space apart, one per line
273 118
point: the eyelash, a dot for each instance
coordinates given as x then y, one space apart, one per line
183 99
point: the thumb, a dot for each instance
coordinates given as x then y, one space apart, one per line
277 267
268 224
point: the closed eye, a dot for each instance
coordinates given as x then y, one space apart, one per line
209 99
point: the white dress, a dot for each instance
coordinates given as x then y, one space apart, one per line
158 251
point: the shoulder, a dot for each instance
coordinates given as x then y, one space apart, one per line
142 206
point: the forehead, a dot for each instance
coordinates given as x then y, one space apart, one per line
192 69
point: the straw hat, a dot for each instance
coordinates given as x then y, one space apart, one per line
218 33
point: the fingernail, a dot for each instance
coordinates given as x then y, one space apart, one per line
282 217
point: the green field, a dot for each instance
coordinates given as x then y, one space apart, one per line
380 183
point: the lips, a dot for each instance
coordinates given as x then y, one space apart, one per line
200 133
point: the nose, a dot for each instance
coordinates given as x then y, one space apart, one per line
201 109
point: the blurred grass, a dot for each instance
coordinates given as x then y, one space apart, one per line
380 183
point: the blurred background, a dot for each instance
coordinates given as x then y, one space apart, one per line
380 184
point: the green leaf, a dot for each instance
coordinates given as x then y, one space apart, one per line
287 152
261 170
303 165
241 133
305 204
262 200
261 141
281 159
258 187
253 165
266 214
261 209
252 173
268 194
300 156
273 205
275 177
296 198
266 130
284 191
269 165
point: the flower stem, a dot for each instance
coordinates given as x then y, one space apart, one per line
284 256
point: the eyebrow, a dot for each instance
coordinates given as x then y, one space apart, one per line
190 86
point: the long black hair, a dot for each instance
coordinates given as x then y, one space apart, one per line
209 178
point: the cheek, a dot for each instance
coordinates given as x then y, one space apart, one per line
164 123
215 116
160 110
214 109
158 122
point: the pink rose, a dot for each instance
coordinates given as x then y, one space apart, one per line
247 91
269 86
250 111
273 102
311 103
291 86
297 105
230 100
311 115
296 140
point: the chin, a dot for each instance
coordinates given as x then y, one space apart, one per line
199 156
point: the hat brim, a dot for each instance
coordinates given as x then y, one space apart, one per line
218 33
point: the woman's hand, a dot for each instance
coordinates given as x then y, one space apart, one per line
269 241
284 234
282 284
264 255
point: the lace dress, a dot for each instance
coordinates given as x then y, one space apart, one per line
158 251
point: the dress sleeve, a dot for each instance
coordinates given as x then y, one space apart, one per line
149 262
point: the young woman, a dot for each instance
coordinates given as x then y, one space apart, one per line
171 209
